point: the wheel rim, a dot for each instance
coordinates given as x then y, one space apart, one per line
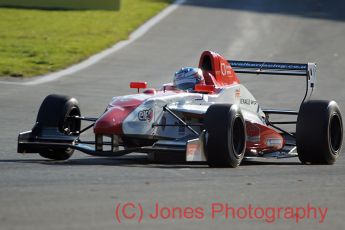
335 133
238 136
71 126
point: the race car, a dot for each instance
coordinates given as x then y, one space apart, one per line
218 122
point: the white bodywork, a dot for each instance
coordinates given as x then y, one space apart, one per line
191 103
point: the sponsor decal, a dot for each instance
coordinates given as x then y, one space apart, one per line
268 65
237 94
145 115
246 101
191 150
273 142
225 70
253 139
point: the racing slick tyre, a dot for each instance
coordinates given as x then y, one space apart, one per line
226 135
319 132
55 112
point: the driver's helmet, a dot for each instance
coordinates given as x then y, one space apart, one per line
186 78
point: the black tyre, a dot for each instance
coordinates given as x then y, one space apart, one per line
319 132
226 135
55 112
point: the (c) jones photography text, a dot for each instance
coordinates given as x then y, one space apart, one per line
217 211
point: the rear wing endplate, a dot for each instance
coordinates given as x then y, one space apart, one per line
278 68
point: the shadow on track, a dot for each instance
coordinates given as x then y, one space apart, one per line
322 9
140 161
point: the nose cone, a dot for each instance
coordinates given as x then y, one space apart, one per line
111 121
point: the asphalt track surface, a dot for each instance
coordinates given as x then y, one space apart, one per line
83 192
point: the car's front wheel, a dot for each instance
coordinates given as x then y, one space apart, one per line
56 111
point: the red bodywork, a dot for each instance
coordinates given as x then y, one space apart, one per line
217 70
261 138
217 73
111 121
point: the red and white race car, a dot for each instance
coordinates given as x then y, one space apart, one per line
219 122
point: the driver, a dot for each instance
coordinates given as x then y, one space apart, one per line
186 78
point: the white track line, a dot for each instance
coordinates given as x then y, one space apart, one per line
97 57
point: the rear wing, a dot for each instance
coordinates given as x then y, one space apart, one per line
278 68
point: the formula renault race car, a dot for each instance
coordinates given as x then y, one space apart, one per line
219 122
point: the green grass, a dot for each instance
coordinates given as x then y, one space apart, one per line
36 42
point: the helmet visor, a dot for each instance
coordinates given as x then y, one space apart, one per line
188 86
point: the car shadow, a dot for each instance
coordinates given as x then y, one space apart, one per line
138 161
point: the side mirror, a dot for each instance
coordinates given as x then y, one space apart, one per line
138 85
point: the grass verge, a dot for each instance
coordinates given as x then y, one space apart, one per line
36 42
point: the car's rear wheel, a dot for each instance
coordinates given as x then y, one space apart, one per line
226 135
319 132
56 112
